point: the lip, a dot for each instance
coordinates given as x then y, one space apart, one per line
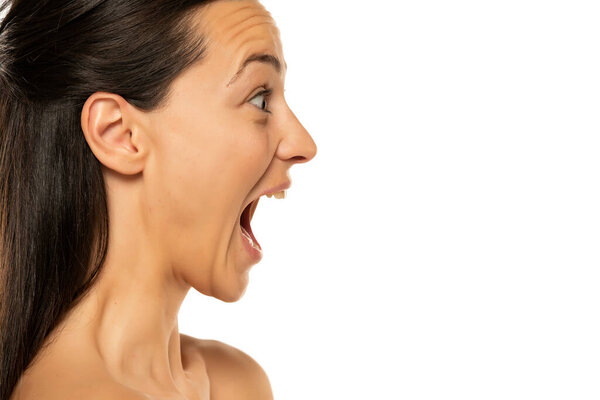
255 254
278 188
284 186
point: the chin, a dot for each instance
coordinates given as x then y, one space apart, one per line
232 292
232 297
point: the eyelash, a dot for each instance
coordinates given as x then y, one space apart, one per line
266 93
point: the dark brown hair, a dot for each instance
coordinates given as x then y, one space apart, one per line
53 213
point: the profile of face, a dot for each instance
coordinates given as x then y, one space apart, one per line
218 145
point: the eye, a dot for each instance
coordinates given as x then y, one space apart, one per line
264 94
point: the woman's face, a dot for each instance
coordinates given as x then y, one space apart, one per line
215 148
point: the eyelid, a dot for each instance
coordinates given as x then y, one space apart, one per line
266 93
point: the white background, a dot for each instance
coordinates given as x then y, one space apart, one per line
445 241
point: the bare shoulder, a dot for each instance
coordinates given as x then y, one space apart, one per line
233 374
93 390
111 391
59 382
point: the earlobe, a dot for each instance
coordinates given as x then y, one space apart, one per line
109 127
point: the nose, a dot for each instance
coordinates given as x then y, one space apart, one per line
296 143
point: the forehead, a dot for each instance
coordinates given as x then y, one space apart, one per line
236 29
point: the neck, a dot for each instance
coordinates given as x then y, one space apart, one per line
130 317
136 330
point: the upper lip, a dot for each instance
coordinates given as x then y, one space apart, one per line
278 188
283 186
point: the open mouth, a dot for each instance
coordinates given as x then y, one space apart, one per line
245 219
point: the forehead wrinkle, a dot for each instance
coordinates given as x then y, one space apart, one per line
239 10
228 25
243 29
222 19
224 26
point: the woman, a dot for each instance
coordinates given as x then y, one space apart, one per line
135 139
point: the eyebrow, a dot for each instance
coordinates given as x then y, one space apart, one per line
264 58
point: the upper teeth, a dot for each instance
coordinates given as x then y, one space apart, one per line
278 195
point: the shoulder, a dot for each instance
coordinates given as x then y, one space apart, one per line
92 390
54 380
233 374
111 391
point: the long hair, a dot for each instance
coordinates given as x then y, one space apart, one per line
53 211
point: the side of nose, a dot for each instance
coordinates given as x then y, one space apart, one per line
296 143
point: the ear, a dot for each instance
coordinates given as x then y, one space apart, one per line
112 128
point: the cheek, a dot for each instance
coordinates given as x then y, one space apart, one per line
200 176
242 153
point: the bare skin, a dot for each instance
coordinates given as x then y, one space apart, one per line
178 180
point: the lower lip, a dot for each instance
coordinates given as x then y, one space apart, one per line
255 254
